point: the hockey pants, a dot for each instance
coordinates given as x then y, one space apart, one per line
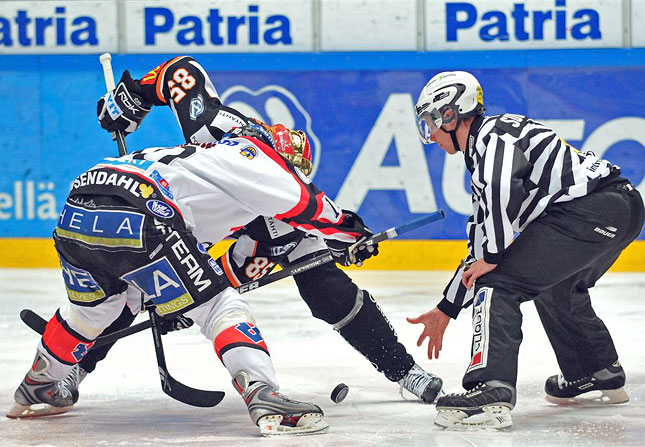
554 262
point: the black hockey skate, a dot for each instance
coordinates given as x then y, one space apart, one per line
276 414
488 405
422 384
38 395
602 387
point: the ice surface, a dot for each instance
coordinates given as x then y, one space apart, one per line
122 403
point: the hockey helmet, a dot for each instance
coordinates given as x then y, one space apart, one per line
458 91
294 146
291 144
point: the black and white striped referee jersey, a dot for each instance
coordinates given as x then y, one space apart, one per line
518 168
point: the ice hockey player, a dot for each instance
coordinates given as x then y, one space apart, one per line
137 221
266 242
575 215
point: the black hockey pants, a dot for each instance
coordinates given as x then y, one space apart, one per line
554 262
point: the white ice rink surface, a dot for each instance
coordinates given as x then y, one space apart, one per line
122 403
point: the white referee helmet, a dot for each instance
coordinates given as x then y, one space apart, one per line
458 91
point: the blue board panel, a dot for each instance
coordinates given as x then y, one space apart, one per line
357 108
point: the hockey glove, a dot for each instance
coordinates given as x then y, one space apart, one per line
357 252
175 324
123 108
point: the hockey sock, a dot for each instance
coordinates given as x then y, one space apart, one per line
63 346
242 348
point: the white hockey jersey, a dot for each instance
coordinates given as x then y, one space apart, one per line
216 188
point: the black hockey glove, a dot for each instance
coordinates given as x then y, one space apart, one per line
357 252
123 108
175 324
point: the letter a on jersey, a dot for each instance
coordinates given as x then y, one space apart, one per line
161 284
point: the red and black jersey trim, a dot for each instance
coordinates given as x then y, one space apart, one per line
306 213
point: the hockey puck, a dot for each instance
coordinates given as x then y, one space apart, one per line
339 393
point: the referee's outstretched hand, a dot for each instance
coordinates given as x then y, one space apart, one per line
435 323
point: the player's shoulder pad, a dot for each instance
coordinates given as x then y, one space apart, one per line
511 123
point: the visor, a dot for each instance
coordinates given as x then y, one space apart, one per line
431 120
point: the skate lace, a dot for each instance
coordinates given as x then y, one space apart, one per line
75 377
475 388
564 383
415 381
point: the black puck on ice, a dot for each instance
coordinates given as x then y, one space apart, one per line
339 393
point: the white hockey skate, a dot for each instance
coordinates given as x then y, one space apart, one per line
488 405
600 388
276 414
39 396
422 384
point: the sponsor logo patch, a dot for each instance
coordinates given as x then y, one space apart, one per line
608 231
106 228
121 180
160 209
215 266
282 249
251 332
81 286
481 318
196 107
249 152
162 183
161 283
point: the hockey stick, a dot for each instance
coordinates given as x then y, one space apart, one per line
326 257
177 390
170 386
37 323
106 63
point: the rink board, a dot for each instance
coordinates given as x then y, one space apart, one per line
358 109
393 255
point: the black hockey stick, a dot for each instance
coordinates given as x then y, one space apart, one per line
170 386
37 323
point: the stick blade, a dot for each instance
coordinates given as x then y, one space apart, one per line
191 396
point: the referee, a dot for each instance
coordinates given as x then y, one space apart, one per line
574 214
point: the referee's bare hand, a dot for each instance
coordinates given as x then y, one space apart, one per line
435 323
476 269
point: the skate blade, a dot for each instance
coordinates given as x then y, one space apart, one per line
593 398
308 424
19 411
492 416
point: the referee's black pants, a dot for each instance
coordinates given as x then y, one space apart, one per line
554 262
